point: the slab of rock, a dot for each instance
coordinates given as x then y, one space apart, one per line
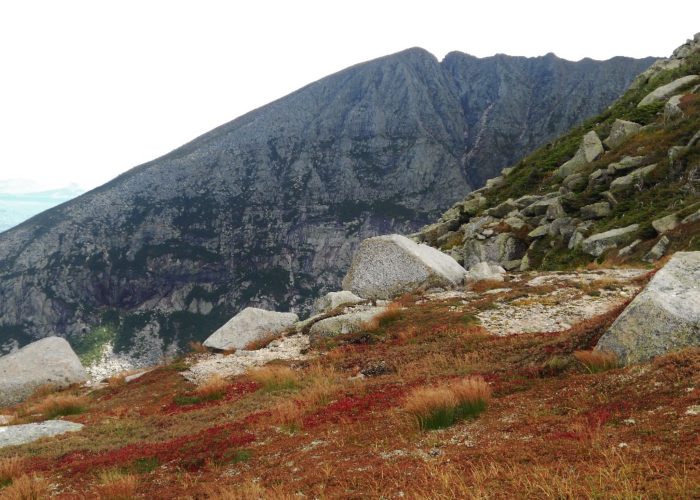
668 223
657 250
336 299
597 244
47 361
15 435
672 109
629 180
620 132
626 164
387 266
539 232
345 323
596 210
694 217
249 325
664 317
629 248
485 271
665 91
502 209
590 150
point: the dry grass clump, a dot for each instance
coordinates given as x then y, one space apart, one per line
26 488
392 312
442 406
58 405
245 491
262 342
275 378
115 485
486 285
10 468
213 388
597 361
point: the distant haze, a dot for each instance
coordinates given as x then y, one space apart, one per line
128 81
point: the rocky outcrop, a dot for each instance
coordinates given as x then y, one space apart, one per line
666 91
598 243
268 209
590 150
16 435
664 317
333 300
387 266
620 132
49 361
351 322
250 325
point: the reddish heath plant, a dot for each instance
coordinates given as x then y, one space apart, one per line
597 361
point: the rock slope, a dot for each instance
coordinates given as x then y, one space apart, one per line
267 210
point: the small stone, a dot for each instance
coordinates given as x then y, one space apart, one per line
538 232
657 250
629 248
664 224
620 132
596 210
597 244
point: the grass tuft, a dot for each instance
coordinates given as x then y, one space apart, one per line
275 378
58 405
11 468
117 485
26 488
442 406
597 361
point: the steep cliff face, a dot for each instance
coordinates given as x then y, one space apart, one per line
267 209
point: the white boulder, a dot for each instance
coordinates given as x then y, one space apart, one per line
249 325
665 91
664 317
16 435
620 132
387 266
485 271
346 323
590 150
47 361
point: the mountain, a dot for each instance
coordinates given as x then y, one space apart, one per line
622 188
267 209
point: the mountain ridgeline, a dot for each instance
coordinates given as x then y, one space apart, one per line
267 210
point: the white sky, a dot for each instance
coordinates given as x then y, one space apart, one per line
89 89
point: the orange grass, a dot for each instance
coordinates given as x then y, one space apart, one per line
275 378
10 468
57 405
26 488
262 342
115 485
597 361
212 388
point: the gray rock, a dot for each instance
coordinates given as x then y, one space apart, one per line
596 210
527 200
694 217
16 435
575 240
333 300
694 140
664 317
598 178
555 210
658 250
495 182
512 265
387 266
665 91
664 224
502 209
539 232
351 322
672 108
564 227
629 248
620 132
626 164
485 271
632 179
540 207
610 198
597 244
575 182
590 150
433 232
47 361
515 223
249 325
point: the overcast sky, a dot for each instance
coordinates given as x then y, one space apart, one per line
89 89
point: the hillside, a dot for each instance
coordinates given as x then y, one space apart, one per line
495 387
267 209
622 188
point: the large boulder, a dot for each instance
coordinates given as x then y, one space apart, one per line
47 361
664 317
333 300
620 132
16 435
387 266
632 179
597 244
590 150
249 325
665 91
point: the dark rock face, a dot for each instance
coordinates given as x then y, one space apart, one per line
267 209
